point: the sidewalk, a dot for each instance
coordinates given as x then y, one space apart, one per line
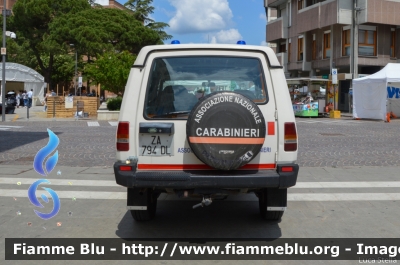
37 113
346 114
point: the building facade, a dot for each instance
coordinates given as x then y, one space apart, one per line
9 3
110 4
311 37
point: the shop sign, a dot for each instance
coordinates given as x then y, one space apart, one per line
325 76
393 92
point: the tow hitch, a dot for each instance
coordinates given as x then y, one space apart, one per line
205 202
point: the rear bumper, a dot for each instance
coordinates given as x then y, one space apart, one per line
206 179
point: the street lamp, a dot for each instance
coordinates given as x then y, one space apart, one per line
3 53
76 70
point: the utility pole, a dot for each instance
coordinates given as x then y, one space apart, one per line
355 39
3 53
76 68
354 47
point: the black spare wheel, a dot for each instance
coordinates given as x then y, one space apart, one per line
225 130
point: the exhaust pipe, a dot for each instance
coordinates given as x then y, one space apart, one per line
205 202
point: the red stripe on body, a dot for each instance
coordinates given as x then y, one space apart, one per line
225 140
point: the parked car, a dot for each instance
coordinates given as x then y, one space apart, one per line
225 141
11 102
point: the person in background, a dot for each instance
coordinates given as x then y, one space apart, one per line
45 101
25 98
18 98
30 95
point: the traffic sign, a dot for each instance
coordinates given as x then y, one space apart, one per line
325 76
80 81
334 76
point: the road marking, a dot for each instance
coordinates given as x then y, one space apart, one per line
11 126
113 123
360 184
299 185
93 123
291 196
330 122
343 197
103 195
4 129
63 182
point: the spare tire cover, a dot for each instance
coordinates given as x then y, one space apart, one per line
225 130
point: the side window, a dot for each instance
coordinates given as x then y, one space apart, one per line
346 42
393 43
327 45
300 49
367 42
314 48
176 84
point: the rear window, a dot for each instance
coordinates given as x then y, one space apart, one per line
176 84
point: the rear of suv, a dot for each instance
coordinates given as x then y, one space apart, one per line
206 121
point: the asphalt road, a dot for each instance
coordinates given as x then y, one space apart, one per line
322 142
348 187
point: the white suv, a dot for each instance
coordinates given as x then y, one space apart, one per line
205 120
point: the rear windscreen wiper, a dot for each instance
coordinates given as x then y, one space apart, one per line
172 113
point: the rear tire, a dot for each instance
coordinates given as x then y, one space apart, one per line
272 197
142 197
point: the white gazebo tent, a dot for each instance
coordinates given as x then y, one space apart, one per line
377 94
20 77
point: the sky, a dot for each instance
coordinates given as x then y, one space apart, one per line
212 21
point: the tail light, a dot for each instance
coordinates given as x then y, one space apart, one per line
123 136
290 137
125 168
286 169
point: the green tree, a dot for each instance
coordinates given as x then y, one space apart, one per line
99 30
46 28
159 28
142 9
31 21
111 70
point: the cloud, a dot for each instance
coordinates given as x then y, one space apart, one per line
193 16
262 16
230 36
264 43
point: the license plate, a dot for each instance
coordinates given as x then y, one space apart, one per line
156 145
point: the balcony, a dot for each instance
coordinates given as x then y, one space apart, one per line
274 3
308 18
324 14
275 30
